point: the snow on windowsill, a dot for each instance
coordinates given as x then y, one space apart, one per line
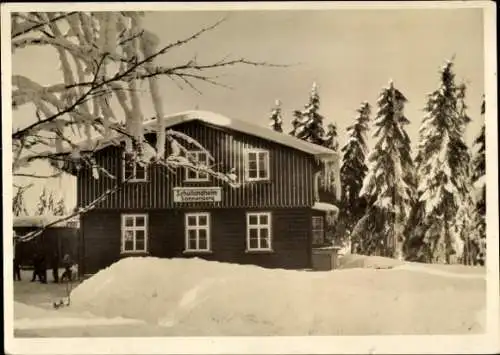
134 253
266 180
259 251
191 252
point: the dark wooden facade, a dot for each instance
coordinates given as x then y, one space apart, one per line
288 195
53 242
290 184
291 238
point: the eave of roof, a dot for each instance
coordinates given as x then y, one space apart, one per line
223 122
44 220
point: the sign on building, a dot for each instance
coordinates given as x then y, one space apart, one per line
197 194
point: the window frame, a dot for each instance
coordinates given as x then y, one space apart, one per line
134 228
267 162
198 173
134 171
197 228
259 227
322 230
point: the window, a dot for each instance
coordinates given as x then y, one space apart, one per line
318 230
257 165
133 171
258 231
197 232
200 158
134 233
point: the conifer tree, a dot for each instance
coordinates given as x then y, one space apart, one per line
330 140
387 187
18 202
276 118
479 187
46 203
308 123
479 164
60 207
443 168
308 126
354 169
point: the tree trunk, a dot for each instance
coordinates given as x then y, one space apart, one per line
398 238
447 242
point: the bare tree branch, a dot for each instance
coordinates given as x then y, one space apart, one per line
196 67
42 24
20 133
118 186
25 187
38 176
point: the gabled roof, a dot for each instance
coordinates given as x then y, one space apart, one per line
221 121
44 220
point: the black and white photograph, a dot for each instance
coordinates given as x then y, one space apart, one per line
258 177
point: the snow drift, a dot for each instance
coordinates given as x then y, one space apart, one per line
197 297
350 261
31 317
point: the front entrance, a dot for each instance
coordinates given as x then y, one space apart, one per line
318 230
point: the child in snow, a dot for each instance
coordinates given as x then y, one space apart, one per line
67 264
36 267
55 266
39 268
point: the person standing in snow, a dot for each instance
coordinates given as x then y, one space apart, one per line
43 268
36 266
39 267
55 266
67 264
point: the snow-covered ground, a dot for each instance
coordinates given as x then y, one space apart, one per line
151 296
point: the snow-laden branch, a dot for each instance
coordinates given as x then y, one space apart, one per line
36 176
92 51
25 28
102 57
31 235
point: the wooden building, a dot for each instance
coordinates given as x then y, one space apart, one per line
272 220
57 239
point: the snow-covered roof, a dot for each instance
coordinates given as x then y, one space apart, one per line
42 221
224 122
325 207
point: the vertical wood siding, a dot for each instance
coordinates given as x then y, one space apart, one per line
290 238
290 185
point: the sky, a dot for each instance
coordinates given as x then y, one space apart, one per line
350 54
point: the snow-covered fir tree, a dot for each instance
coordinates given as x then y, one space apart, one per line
479 164
276 117
60 207
479 188
308 126
308 123
19 203
387 187
443 168
330 139
46 203
354 169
